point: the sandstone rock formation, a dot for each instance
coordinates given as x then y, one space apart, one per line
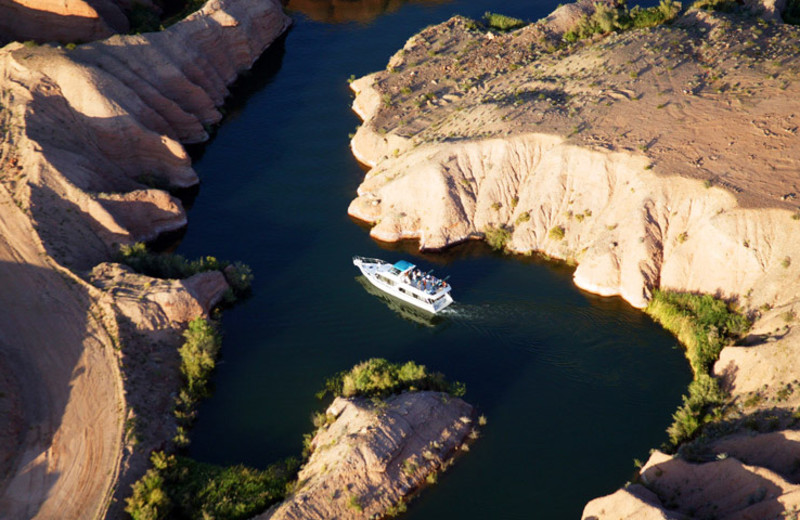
654 158
755 476
371 459
67 21
87 133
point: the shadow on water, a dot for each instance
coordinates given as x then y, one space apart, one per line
345 11
401 308
249 83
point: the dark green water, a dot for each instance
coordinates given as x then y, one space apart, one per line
574 386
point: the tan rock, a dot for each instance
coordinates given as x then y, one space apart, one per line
152 304
63 21
633 502
726 489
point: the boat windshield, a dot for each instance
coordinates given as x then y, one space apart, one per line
402 266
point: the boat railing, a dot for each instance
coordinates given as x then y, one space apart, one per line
364 259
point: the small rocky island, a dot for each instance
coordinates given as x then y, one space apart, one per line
373 456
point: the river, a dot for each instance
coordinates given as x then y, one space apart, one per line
574 386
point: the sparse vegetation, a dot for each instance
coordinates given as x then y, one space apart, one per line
557 233
380 378
724 6
355 503
523 217
606 19
497 237
502 22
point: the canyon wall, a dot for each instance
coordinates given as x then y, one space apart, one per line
91 137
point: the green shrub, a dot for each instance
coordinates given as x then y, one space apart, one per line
149 500
702 323
502 22
724 6
497 237
523 217
355 503
704 395
198 355
379 378
557 233
171 266
179 487
606 19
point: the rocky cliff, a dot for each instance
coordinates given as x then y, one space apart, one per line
90 135
67 21
370 460
662 157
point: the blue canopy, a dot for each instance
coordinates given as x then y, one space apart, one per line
402 265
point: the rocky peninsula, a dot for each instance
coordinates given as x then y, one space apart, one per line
658 157
92 138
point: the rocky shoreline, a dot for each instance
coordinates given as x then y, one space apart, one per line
652 158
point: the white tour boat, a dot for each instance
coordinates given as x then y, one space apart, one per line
404 281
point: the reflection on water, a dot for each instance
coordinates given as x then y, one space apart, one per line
404 310
343 11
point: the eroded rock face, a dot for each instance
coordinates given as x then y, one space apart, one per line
96 124
755 476
153 304
63 21
368 460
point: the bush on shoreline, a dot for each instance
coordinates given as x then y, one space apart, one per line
180 487
379 378
172 266
704 325
198 355
497 237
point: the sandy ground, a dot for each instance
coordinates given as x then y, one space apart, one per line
712 97
67 376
